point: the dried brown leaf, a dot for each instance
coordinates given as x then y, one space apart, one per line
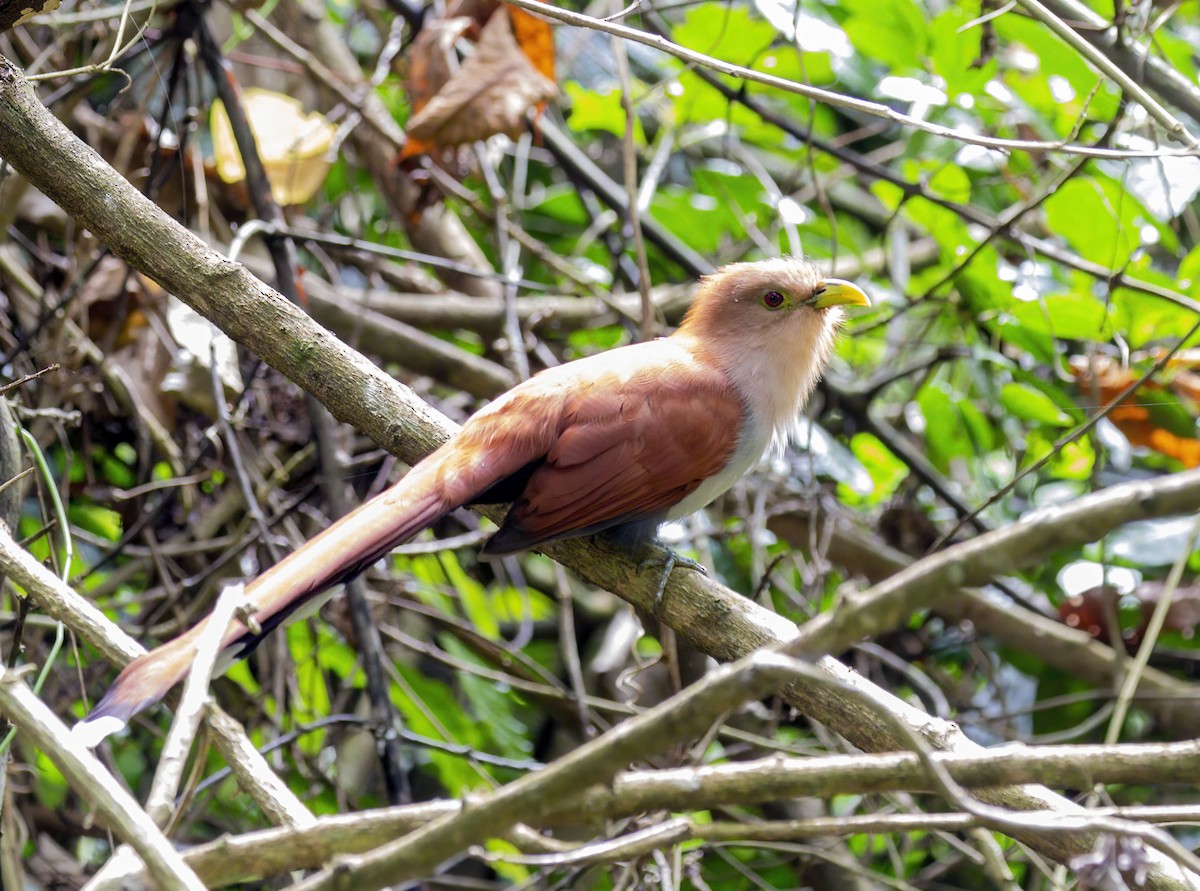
489 94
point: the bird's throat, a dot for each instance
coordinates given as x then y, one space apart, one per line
775 373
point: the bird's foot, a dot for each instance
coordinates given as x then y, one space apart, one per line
660 555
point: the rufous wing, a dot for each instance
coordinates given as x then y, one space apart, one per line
624 454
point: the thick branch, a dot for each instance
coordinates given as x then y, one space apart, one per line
258 855
683 716
1169 699
38 146
888 605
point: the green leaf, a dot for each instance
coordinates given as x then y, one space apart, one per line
743 190
431 708
980 285
953 51
239 673
592 110
889 194
1166 411
95 519
730 33
979 427
1098 218
1073 461
1189 269
492 704
700 220
505 862
805 68
116 471
1179 52
562 204
943 224
1065 316
889 32
946 436
50 784
587 341
511 604
1054 58
426 569
1152 320
700 103
886 470
1031 404
952 183
472 596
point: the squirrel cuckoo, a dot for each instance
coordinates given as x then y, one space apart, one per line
615 443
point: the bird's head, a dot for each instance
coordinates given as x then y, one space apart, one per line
769 298
771 324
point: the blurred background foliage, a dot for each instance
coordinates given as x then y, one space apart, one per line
1017 293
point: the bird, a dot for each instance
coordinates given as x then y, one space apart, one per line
614 443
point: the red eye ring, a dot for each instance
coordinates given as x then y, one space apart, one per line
772 299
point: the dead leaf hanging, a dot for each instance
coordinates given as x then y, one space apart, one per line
432 63
489 94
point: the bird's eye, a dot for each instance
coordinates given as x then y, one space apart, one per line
772 300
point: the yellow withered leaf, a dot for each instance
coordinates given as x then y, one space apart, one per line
293 144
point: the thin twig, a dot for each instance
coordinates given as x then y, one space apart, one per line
838 100
179 739
1174 127
633 217
1158 618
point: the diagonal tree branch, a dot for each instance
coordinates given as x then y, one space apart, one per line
1110 69
925 583
1135 61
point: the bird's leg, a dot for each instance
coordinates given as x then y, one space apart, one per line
655 553
641 537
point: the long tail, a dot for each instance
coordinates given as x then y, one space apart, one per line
340 552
